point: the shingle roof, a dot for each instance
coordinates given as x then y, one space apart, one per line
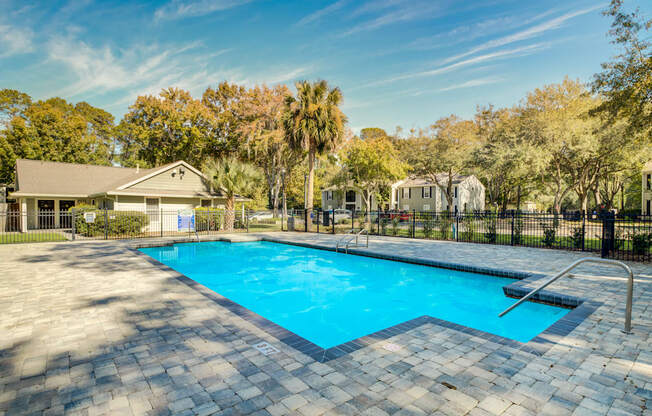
54 178
43 178
422 181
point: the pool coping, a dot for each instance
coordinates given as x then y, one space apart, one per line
580 308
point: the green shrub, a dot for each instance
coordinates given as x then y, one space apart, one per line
518 230
444 223
115 223
383 225
549 234
468 223
577 236
641 242
428 225
207 219
395 222
490 229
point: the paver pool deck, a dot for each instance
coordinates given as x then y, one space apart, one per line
92 328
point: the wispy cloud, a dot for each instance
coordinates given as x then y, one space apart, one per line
145 70
521 51
101 69
179 9
467 84
400 11
321 13
15 40
284 76
528 33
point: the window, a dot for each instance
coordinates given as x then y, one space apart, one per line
329 195
205 203
425 192
426 207
456 192
350 196
648 207
406 193
151 207
649 181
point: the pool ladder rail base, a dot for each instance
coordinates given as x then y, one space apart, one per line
348 239
630 287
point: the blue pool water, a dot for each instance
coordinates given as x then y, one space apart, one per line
331 298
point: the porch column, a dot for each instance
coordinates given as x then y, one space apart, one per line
23 215
56 213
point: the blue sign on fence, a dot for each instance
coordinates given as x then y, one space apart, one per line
186 220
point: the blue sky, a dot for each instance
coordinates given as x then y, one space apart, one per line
398 62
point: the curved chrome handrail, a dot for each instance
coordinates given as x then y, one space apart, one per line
341 240
630 287
362 231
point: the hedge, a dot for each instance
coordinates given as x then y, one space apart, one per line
117 222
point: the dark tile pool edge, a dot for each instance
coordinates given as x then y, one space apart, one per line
538 346
512 274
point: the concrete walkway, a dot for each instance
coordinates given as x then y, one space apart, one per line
90 328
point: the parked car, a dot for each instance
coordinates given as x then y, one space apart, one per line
401 215
261 215
342 214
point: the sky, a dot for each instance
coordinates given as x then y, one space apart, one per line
398 62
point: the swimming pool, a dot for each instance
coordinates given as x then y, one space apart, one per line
331 298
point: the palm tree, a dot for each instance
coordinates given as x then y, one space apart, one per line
313 123
232 177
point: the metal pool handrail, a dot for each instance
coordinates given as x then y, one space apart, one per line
630 287
341 240
359 233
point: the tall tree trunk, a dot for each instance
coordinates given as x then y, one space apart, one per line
285 203
518 198
229 215
310 186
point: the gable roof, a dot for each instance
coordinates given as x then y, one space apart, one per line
423 181
648 166
57 179
38 178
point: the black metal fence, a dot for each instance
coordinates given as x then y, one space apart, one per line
94 224
626 238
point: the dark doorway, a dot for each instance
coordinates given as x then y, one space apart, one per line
350 196
65 216
45 213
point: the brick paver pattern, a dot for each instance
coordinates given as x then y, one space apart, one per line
90 328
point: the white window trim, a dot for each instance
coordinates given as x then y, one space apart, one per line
145 198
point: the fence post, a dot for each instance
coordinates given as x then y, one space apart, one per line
457 227
106 224
608 222
305 219
378 222
318 212
73 225
160 221
352 218
414 223
333 219
583 228
512 239
247 221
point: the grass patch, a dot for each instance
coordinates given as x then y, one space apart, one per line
17 238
